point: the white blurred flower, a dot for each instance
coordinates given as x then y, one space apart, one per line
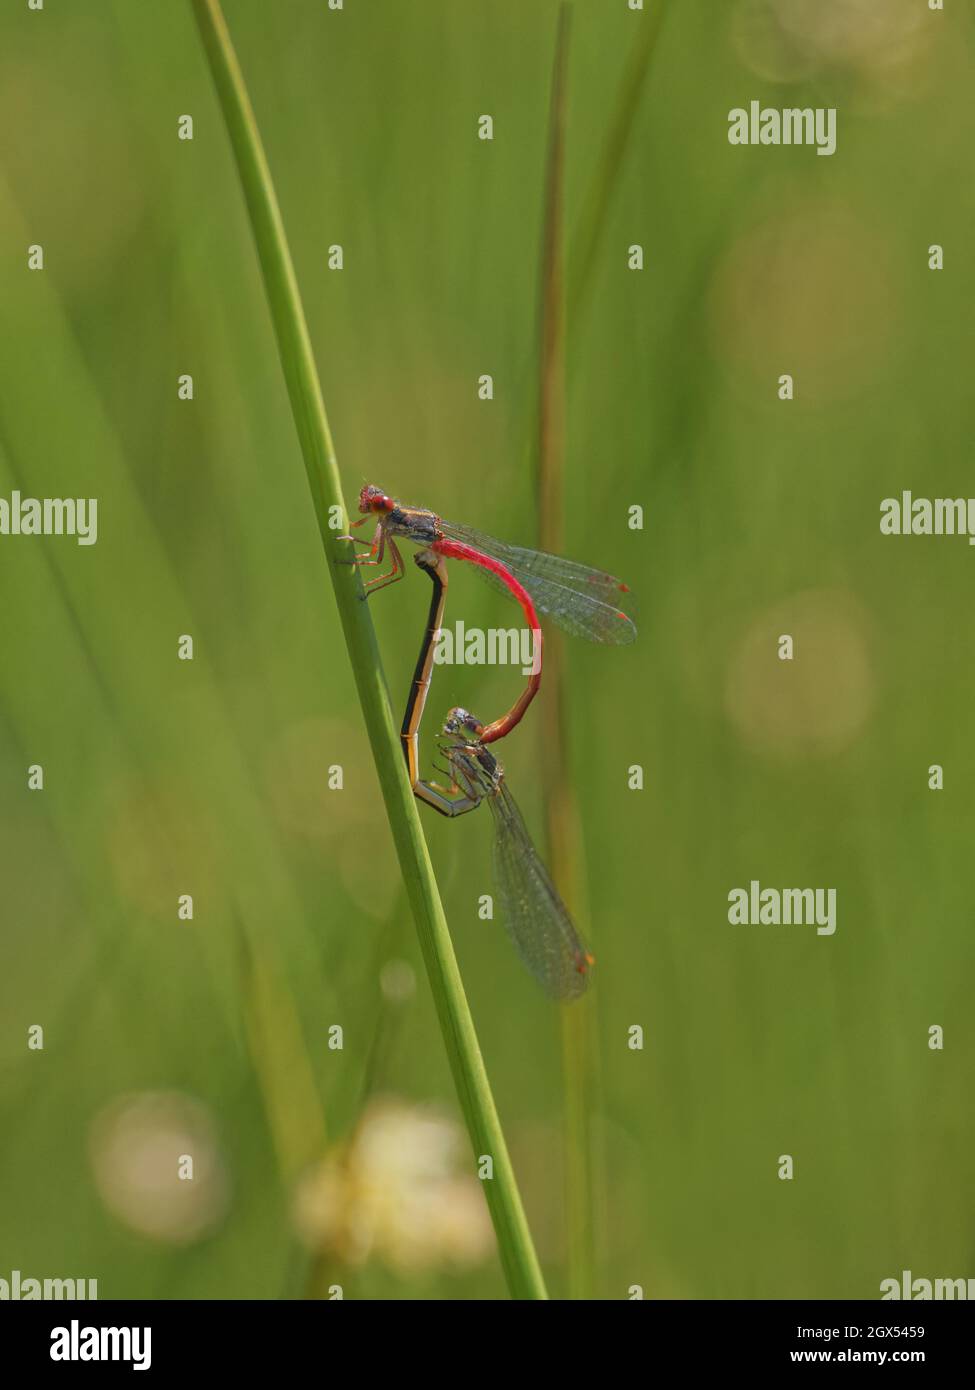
138 1145
861 32
887 43
395 1191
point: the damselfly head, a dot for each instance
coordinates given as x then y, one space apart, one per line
461 721
373 499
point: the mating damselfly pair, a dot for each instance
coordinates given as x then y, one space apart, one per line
581 600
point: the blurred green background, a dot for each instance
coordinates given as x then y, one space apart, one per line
318 1166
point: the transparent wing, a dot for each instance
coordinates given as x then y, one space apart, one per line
583 601
535 916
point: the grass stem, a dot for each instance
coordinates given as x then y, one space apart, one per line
515 1246
562 817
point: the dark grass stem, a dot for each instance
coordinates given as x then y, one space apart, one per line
562 823
595 212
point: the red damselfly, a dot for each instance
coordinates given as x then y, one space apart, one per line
583 601
533 913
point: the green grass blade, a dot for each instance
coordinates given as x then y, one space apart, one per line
561 810
597 202
514 1239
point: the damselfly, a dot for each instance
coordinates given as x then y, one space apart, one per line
534 914
583 601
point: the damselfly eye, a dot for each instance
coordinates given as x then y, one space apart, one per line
373 499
